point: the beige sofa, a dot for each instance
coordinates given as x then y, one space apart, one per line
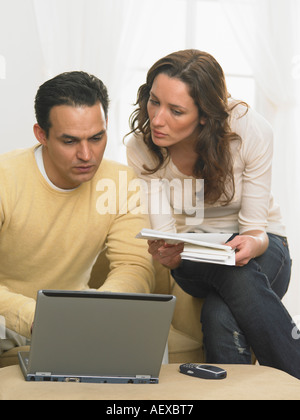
185 338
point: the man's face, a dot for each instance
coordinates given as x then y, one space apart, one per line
75 145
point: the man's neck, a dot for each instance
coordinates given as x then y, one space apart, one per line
40 162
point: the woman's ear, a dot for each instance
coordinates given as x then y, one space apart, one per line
40 134
203 120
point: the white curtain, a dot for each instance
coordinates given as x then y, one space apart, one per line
269 34
97 36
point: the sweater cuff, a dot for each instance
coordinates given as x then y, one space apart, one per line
25 318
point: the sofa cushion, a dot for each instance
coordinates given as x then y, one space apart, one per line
183 348
10 357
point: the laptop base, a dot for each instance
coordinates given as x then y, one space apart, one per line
48 377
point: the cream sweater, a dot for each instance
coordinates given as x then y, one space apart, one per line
50 239
252 207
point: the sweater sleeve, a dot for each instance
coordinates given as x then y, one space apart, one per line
17 310
257 153
131 267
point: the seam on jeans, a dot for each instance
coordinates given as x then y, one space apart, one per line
283 261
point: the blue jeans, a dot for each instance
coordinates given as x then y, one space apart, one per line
243 310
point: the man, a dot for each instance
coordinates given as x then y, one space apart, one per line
52 228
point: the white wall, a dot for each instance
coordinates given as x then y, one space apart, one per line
20 48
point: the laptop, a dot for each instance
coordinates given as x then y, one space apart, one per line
98 337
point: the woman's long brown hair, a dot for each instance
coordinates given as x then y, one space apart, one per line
207 86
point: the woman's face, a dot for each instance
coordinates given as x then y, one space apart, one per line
174 117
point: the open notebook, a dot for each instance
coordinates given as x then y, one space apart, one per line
201 247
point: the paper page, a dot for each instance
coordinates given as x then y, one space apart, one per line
195 249
229 262
211 240
196 258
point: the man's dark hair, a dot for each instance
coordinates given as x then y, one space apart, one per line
75 89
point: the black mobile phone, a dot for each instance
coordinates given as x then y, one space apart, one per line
203 371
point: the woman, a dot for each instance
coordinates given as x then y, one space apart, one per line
187 127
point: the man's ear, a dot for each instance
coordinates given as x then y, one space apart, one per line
40 134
